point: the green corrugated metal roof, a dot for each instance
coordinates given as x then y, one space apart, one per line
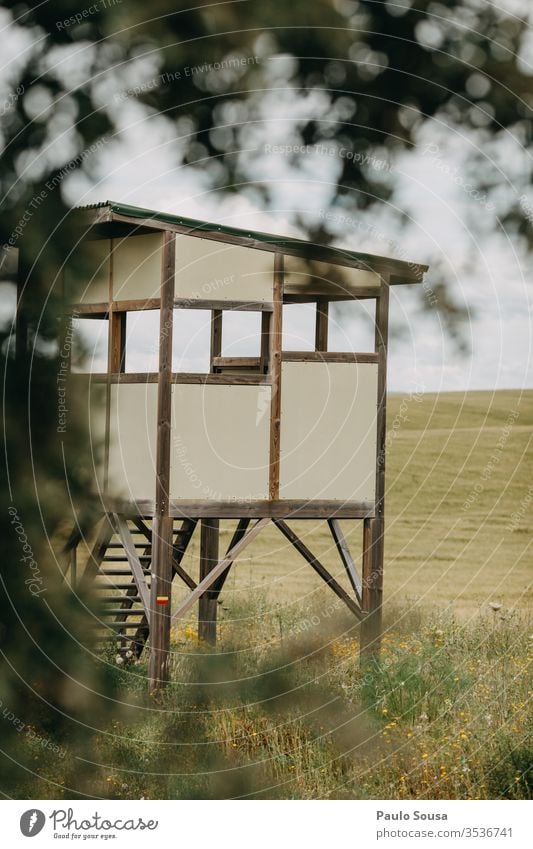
269 238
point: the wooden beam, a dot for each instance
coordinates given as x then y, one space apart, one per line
185 577
124 533
127 377
222 379
318 567
237 362
142 527
329 357
321 325
346 557
214 304
133 305
207 607
294 295
234 509
275 373
101 308
162 536
181 377
209 580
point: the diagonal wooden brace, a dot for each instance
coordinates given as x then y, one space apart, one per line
179 548
318 567
221 566
217 587
346 557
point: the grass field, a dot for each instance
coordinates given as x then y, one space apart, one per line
283 708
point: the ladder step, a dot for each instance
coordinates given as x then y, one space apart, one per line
110 585
116 599
119 626
126 611
137 545
123 559
119 572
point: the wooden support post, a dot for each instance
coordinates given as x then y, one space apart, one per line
112 348
373 533
264 360
161 586
207 607
216 337
321 327
367 583
275 372
118 341
162 536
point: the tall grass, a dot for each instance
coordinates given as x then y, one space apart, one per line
284 710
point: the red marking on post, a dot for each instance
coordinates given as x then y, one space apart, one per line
162 599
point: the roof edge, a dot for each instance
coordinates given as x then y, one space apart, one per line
109 211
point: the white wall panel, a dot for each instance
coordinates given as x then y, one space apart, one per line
320 278
94 287
220 442
328 431
216 271
132 444
137 267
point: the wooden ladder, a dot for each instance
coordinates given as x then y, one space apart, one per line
118 573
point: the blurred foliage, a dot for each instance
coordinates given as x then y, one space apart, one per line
372 75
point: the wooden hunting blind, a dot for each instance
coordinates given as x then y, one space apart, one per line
260 438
